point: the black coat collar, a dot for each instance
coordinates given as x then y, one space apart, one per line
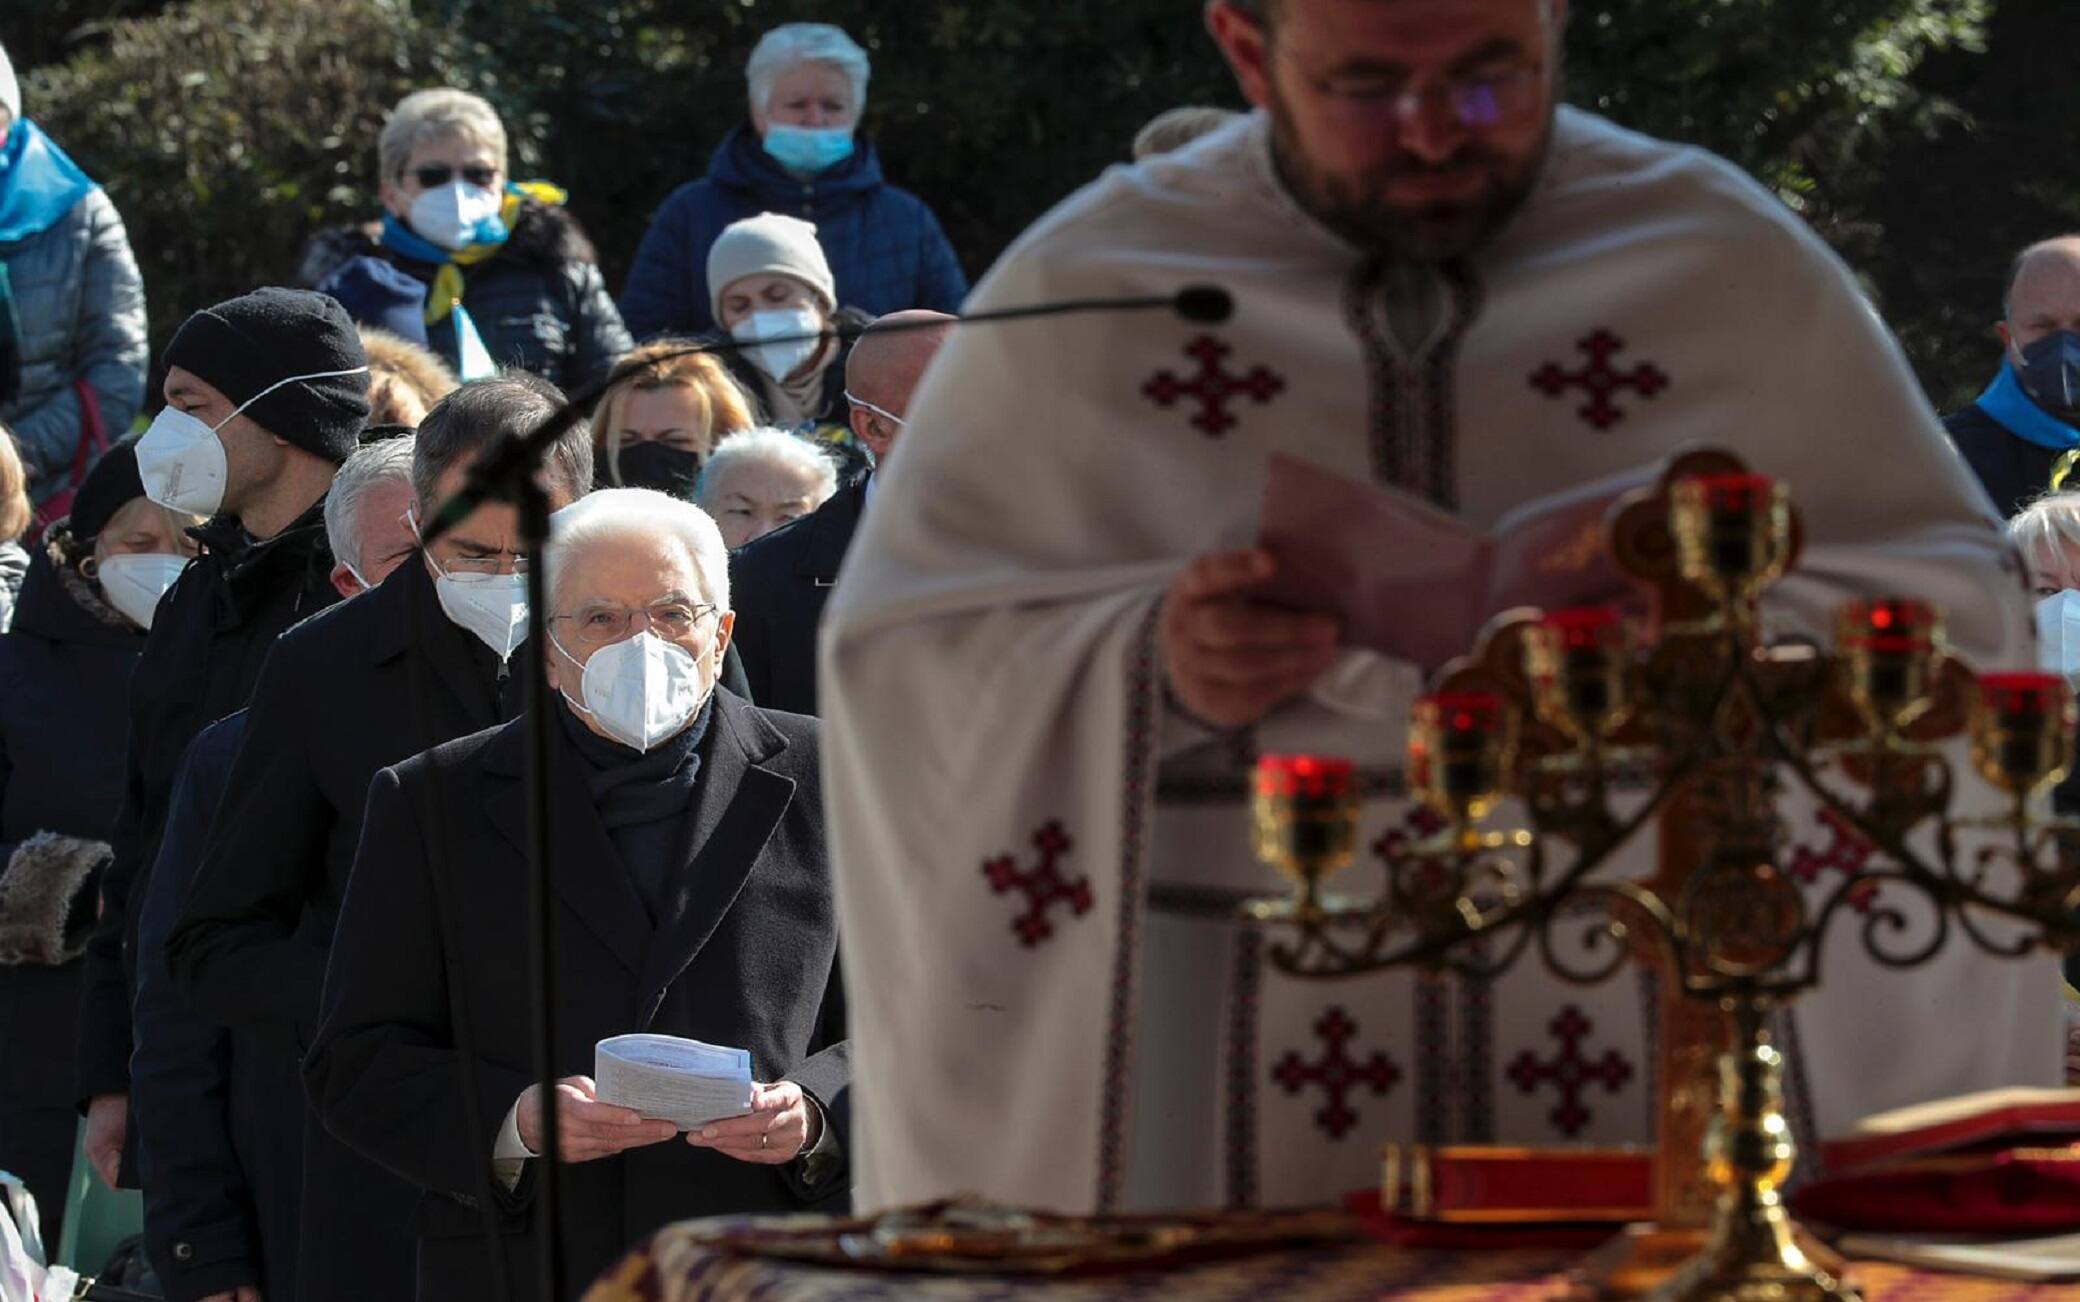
827 533
736 807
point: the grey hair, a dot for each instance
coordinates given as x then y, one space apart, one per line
775 446
643 515
437 114
389 461
515 405
2047 531
792 43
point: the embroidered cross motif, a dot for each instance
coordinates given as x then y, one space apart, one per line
1570 1071
1336 1072
1847 852
1599 380
1213 386
1044 885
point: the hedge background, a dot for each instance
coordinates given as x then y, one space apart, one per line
1926 139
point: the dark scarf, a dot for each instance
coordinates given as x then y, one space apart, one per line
644 801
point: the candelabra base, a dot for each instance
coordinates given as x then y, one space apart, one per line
1646 1259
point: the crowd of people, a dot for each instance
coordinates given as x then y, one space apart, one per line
263 821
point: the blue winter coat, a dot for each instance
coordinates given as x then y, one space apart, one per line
80 303
885 247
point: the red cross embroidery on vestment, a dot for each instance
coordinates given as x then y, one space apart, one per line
1044 886
1599 380
1336 1072
1847 852
1570 1071
1213 386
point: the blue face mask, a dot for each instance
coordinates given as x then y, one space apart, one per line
808 150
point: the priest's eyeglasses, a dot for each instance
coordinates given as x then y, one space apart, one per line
601 623
1481 100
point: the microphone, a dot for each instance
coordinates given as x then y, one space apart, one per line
510 458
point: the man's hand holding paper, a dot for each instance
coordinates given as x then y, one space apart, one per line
782 1124
587 1128
1231 657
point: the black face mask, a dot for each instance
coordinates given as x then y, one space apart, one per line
659 465
2050 373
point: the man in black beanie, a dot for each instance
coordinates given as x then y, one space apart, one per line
265 395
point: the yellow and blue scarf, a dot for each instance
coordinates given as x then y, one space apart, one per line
444 297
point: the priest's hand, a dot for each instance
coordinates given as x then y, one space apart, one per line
586 1128
1231 659
782 1124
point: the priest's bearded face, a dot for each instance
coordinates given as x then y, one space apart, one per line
1412 128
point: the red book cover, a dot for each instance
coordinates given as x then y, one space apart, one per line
1993 1119
1482 1184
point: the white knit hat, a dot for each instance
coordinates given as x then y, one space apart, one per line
769 243
10 89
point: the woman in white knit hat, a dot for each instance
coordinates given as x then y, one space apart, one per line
772 292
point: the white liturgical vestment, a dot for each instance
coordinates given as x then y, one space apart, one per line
1038 860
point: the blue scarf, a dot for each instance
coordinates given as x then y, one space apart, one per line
2008 403
39 184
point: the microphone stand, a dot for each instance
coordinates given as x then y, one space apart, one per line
506 472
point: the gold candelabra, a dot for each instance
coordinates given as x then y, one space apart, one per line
1553 706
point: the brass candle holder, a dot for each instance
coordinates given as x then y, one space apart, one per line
1721 724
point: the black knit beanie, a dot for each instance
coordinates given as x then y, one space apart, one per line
108 487
243 346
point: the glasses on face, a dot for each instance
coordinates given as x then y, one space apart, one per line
1475 102
432 176
602 623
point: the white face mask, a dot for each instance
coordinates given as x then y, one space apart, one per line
453 215
2058 633
492 607
780 360
181 460
133 582
641 690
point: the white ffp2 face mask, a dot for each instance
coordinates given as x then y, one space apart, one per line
181 460
780 360
2058 633
493 607
457 215
641 690
133 582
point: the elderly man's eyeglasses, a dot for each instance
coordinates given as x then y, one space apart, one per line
435 175
1484 99
598 624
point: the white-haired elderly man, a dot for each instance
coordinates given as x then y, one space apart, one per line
762 479
694 900
800 154
367 514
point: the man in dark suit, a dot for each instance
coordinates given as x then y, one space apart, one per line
2024 429
694 900
420 660
782 580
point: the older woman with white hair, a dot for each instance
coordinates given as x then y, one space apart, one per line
800 154
484 272
762 479
693 897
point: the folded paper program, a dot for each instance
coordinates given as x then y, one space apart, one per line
666 1078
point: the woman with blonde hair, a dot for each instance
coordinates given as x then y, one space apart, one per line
661 417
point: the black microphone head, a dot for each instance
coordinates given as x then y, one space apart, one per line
1206 304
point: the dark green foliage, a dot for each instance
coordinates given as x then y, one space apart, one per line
229 130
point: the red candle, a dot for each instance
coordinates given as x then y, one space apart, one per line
1466 712
1879 622
1587 628
1306 777
1731 493
2022 696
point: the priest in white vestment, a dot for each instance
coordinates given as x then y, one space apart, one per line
1044 692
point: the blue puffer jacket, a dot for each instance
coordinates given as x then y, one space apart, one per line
884 246
80 303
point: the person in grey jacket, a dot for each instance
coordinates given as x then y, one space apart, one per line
71 300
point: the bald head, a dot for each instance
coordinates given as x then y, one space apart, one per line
2043 291
884 369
